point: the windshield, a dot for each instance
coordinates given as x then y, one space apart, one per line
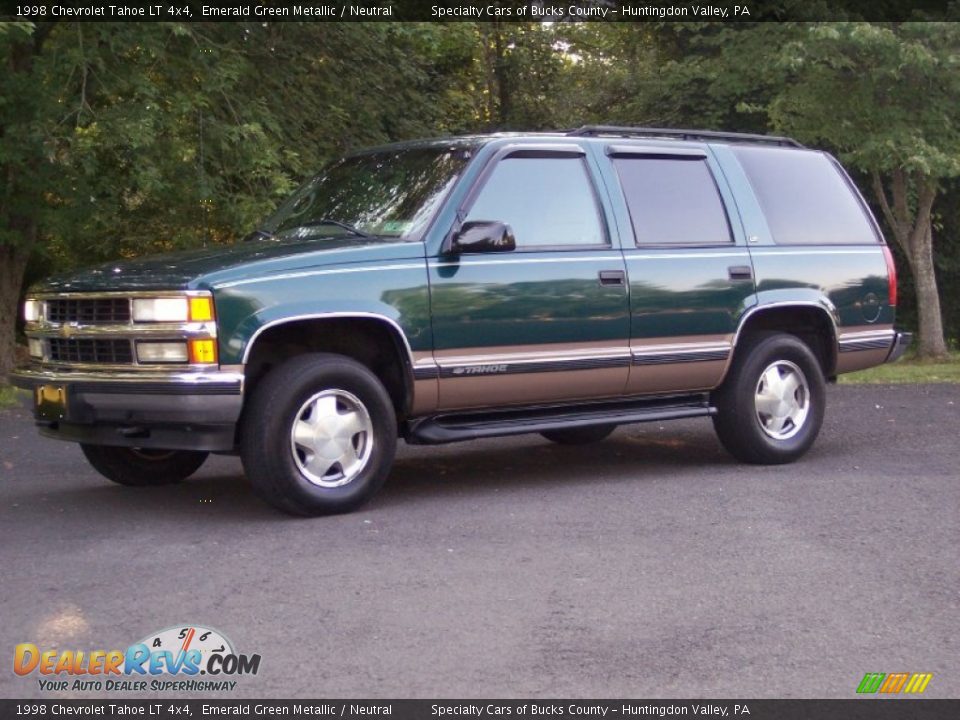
390 194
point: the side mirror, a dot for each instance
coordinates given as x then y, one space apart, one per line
484 236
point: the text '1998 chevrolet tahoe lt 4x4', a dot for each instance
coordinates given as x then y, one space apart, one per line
444 290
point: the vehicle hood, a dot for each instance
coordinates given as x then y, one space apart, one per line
207 267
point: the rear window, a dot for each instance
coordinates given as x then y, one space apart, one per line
673 201
805 198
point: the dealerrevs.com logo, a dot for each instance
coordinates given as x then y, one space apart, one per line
179 659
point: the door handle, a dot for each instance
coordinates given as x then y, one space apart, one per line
612 277
740 272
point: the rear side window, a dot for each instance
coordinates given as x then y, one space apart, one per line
673 201
805 198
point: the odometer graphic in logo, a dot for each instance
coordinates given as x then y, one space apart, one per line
202 643
191 650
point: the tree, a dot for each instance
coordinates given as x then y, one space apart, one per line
102 143
119 139
20 146
887 97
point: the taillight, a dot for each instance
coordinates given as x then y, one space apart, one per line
891 275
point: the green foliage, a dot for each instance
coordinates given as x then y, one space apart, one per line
887 97
11 396
145 137
122 139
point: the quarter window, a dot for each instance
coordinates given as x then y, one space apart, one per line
546 201
673 201
805 198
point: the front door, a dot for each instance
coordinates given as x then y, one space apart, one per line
549 321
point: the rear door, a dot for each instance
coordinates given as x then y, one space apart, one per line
548 322
689 270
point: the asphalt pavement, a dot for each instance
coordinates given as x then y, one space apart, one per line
648 565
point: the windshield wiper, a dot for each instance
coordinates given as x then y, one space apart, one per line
327 221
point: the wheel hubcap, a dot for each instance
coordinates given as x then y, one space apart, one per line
782 400
331 438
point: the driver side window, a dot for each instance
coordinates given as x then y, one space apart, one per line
548 202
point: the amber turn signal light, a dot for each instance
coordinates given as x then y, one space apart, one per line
201 309
203 351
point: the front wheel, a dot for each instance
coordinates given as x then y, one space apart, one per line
142 467
319 435
771 406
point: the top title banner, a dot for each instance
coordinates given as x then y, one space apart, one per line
501 10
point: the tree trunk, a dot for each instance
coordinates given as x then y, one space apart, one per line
912 224
932 343
13 263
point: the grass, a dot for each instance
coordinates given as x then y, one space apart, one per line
9 396
908 371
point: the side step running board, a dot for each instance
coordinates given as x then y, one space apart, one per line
439 429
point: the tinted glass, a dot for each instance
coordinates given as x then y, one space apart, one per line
673 201
547 201
805 198
389 194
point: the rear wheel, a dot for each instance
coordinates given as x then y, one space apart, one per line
579 435
141 467
771 407
319 435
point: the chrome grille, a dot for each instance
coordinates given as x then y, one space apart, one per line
108 351
88 311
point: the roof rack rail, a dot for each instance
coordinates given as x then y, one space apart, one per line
703 135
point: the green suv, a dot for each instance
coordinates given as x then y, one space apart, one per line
445 290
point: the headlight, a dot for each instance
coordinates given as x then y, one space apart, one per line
35 346
162 352
173 309
31 310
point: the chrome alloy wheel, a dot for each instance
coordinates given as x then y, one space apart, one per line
331 438
782 400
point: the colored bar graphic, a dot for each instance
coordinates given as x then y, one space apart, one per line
918 682
871 682
894 683
913 683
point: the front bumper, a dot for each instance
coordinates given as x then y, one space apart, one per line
170 410
900 344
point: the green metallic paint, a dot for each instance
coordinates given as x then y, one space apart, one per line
514 298
678 292
202 268
839 278
396 290
842 280
527 299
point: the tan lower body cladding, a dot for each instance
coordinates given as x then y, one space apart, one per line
528 374
865 346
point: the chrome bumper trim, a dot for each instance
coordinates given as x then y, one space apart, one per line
29 377
900 345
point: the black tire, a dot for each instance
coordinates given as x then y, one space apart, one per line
751 436
277 467
143 468
579 435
